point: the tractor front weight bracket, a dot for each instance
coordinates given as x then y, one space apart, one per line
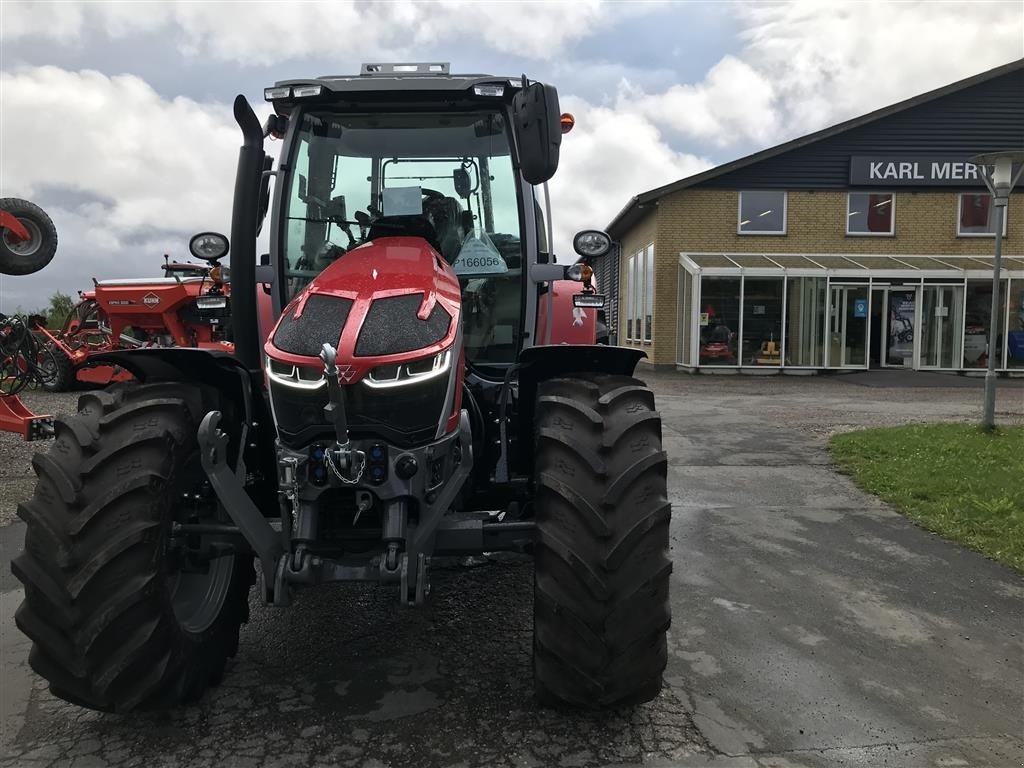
240 508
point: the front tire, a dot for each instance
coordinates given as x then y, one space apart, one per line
601 583
117 623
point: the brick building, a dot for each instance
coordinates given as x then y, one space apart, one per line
866 244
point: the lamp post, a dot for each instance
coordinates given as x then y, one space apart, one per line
997 171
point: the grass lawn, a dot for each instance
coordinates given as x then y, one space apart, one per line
953 479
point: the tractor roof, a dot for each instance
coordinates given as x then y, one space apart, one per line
384 77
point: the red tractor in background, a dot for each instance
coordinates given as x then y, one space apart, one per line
401 398
188 307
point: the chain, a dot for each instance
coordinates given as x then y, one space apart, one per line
329 456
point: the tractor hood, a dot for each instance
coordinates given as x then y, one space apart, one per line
389 301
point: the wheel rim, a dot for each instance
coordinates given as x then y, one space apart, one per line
48 367
25 247
197 598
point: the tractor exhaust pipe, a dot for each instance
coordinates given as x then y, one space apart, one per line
244 223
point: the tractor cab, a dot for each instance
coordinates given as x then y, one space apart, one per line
411 150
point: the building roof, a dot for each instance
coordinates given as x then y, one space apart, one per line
634 210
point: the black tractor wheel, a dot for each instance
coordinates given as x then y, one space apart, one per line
601 583
23 257
58 373
121 618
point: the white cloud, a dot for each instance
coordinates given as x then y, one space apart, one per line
806 65
264 31
734 100
607 158
158 165
167 164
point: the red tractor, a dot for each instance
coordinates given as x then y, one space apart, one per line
188 307
404 403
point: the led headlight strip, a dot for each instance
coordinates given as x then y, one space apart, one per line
409 373
289 376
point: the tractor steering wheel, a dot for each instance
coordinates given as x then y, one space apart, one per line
432 194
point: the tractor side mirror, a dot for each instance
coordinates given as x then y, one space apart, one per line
264 197
538 130
303 194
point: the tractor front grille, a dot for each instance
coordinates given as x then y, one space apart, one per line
403 416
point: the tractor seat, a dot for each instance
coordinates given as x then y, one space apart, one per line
446 216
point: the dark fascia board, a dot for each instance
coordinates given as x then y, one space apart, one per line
626 218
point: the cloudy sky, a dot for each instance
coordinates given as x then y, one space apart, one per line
115 116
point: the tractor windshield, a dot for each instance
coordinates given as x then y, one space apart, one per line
446 177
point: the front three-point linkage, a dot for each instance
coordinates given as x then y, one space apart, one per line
346 462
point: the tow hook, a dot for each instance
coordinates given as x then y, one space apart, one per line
345 462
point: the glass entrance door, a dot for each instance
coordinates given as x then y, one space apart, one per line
848 326
942 308
899 316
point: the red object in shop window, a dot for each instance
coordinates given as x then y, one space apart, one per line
974 210
879 213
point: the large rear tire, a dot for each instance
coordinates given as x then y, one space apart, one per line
117 622
601 584
27 256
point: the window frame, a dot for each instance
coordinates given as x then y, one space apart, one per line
648 296
959 214
772 232
630 295
892 219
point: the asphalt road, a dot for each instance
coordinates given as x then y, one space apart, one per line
811 626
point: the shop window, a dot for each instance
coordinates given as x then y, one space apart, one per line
977 313
649 293
638 270
870 213
629 284
762 213
640 294
762 321
805 321
942 322
1015 337
976 215
719 320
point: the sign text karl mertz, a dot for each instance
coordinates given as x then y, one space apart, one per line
920 171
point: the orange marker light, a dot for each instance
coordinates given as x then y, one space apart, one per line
568 121
216 274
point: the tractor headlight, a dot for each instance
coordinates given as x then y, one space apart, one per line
277 92
401 374
591 243
208 246
295 376
211 303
